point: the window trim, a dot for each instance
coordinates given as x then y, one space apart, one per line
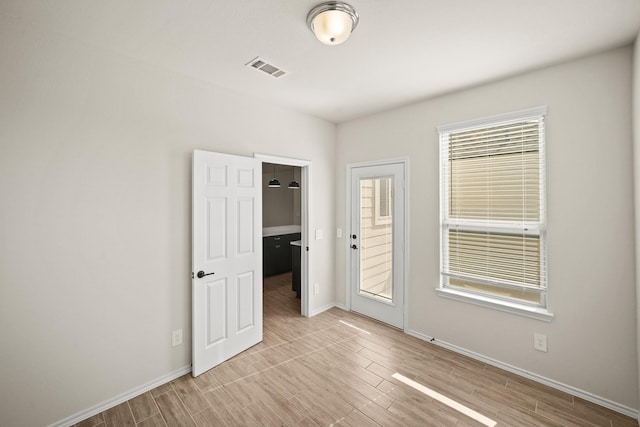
532 312
535 311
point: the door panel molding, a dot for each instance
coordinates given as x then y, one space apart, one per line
227 224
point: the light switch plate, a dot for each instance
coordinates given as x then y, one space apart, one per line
319 234
339 233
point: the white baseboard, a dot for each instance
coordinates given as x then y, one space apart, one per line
530 375
340 306
101 407
325 308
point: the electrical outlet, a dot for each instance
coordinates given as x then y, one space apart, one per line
176 337
319 234
540 342
339 233
316 289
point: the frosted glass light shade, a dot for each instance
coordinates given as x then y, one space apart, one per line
332 22
332 27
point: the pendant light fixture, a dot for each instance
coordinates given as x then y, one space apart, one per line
332 22
274 183
294 185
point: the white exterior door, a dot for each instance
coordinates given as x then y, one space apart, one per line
376 242
227 257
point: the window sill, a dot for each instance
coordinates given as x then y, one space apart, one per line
509 307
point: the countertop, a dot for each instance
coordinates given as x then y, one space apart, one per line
281 229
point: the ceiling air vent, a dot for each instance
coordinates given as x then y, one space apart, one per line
262 65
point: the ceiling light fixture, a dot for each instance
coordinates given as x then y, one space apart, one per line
333 21
294 185
274 183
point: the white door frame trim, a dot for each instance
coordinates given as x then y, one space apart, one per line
305 213
405 162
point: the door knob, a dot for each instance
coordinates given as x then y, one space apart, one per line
354 247
353 236
201 274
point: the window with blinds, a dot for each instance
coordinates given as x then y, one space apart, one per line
493 207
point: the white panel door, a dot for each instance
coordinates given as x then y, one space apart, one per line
376 242
227 257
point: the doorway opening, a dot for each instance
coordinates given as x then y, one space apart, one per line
285 219
281 234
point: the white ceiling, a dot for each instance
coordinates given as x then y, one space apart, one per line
401 52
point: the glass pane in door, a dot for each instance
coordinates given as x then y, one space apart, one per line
376 238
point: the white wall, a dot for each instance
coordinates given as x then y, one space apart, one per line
592 339
95 215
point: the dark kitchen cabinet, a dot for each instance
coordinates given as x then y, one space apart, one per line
276 253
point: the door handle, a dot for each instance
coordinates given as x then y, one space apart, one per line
201 274
353 236
354 247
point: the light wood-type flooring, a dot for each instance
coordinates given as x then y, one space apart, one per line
321 371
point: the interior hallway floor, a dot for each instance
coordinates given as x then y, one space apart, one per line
323 371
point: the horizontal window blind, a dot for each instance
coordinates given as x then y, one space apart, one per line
492 209
495 258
